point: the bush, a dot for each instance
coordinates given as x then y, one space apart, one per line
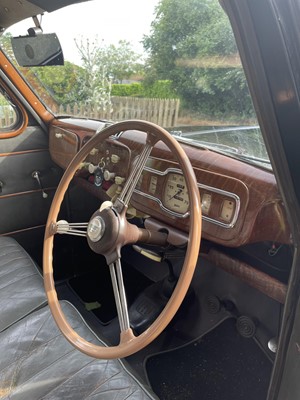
158 89
127 90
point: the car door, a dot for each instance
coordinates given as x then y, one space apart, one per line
268 38
28 177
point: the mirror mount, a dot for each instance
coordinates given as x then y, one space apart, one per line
37 30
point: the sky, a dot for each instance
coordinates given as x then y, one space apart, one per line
109 20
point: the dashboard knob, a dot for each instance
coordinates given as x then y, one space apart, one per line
115 158
119 180
108 176
92 168
94 151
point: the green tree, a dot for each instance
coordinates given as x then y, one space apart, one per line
95 84
191 43
63 82
121 60
104 65
5 43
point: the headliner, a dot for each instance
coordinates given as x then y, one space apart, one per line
13 11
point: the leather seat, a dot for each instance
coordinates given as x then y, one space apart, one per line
38 363
21 284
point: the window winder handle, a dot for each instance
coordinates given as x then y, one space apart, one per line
36 175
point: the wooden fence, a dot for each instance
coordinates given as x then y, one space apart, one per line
8 116
163 112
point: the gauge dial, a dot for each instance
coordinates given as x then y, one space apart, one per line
205 203
153 184
176 194
227 210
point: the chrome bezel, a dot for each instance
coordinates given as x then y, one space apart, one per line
231 195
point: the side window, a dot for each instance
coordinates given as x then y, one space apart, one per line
8 114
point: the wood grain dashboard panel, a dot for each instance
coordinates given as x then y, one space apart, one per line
262 214
258 212
63 144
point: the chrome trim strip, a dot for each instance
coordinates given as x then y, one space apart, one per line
234 196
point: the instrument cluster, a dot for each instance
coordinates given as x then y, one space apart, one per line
169 191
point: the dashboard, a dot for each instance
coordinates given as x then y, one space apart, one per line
240 202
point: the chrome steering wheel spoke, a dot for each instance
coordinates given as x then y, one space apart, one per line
70 228
115 269
125 196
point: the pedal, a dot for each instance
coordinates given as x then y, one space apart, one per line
212 304
245 326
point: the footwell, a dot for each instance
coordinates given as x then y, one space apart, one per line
222 365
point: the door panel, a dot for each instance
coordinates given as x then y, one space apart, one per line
16 173
24 209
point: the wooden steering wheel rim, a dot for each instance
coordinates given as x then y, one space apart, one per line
129 343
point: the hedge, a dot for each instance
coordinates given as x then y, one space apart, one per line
159 89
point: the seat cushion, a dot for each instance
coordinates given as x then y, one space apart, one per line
37 362
21 285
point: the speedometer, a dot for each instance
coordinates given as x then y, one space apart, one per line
175 196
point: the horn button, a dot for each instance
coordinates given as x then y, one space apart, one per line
103 231
96 228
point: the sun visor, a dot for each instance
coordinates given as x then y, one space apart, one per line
39 50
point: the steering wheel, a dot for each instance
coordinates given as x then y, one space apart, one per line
108 231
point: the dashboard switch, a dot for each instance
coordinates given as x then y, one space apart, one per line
109 176
115 158
119 180
92 168
94 151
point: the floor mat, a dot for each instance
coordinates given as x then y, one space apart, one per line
222 365
95 290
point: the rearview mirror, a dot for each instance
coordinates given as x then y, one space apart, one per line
37 50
